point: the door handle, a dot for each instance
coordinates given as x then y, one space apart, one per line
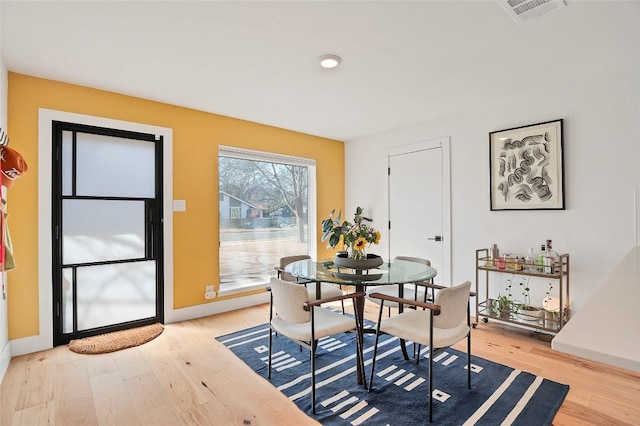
436 238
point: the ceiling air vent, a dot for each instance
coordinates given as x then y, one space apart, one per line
525 10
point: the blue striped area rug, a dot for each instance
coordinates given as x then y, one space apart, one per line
499 395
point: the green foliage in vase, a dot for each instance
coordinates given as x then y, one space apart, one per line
355 236
548 293
525 294
505 304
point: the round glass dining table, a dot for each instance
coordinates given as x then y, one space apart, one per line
398 272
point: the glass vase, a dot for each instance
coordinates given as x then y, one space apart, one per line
357 254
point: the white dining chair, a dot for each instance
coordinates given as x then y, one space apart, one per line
326 289
305 322
414 291
439 325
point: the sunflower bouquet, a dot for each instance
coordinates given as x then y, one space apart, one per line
356 236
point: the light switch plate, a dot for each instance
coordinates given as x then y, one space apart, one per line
179 205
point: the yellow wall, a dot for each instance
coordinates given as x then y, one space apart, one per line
196 137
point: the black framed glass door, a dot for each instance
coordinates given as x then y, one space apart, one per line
107 230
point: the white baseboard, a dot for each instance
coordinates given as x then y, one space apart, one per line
198 311
31 344
37 343
5 359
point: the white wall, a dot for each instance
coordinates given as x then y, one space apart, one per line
638 186
638 214
5 347
601 148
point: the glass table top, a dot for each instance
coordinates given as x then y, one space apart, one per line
396 272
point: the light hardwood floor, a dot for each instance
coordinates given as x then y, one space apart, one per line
185 376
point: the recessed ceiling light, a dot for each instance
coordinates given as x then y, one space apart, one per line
330 61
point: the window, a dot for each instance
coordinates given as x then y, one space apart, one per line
266 204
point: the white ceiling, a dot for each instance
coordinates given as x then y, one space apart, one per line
403 62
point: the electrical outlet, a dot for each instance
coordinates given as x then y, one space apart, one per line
209 292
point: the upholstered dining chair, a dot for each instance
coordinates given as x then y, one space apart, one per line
414 291
305 322
439 325
326 289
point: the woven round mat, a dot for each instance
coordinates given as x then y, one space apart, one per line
111 342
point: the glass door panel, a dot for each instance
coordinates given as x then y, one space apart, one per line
112 166
120 236
67 158
67 300
115 293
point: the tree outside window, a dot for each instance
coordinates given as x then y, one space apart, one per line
263 216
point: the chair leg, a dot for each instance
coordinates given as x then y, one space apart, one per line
403 348
431 368
314 344
271 304
469 360
430 382
375 345
313 377
270 341
469 345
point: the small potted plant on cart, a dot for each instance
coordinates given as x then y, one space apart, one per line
503 306
526 312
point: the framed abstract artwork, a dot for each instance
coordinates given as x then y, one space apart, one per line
527 167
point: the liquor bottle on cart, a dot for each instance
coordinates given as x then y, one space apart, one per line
541 256
495 254
530 261
552 261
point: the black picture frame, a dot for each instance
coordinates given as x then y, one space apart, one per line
526 167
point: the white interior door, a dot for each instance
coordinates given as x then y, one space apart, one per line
419 201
